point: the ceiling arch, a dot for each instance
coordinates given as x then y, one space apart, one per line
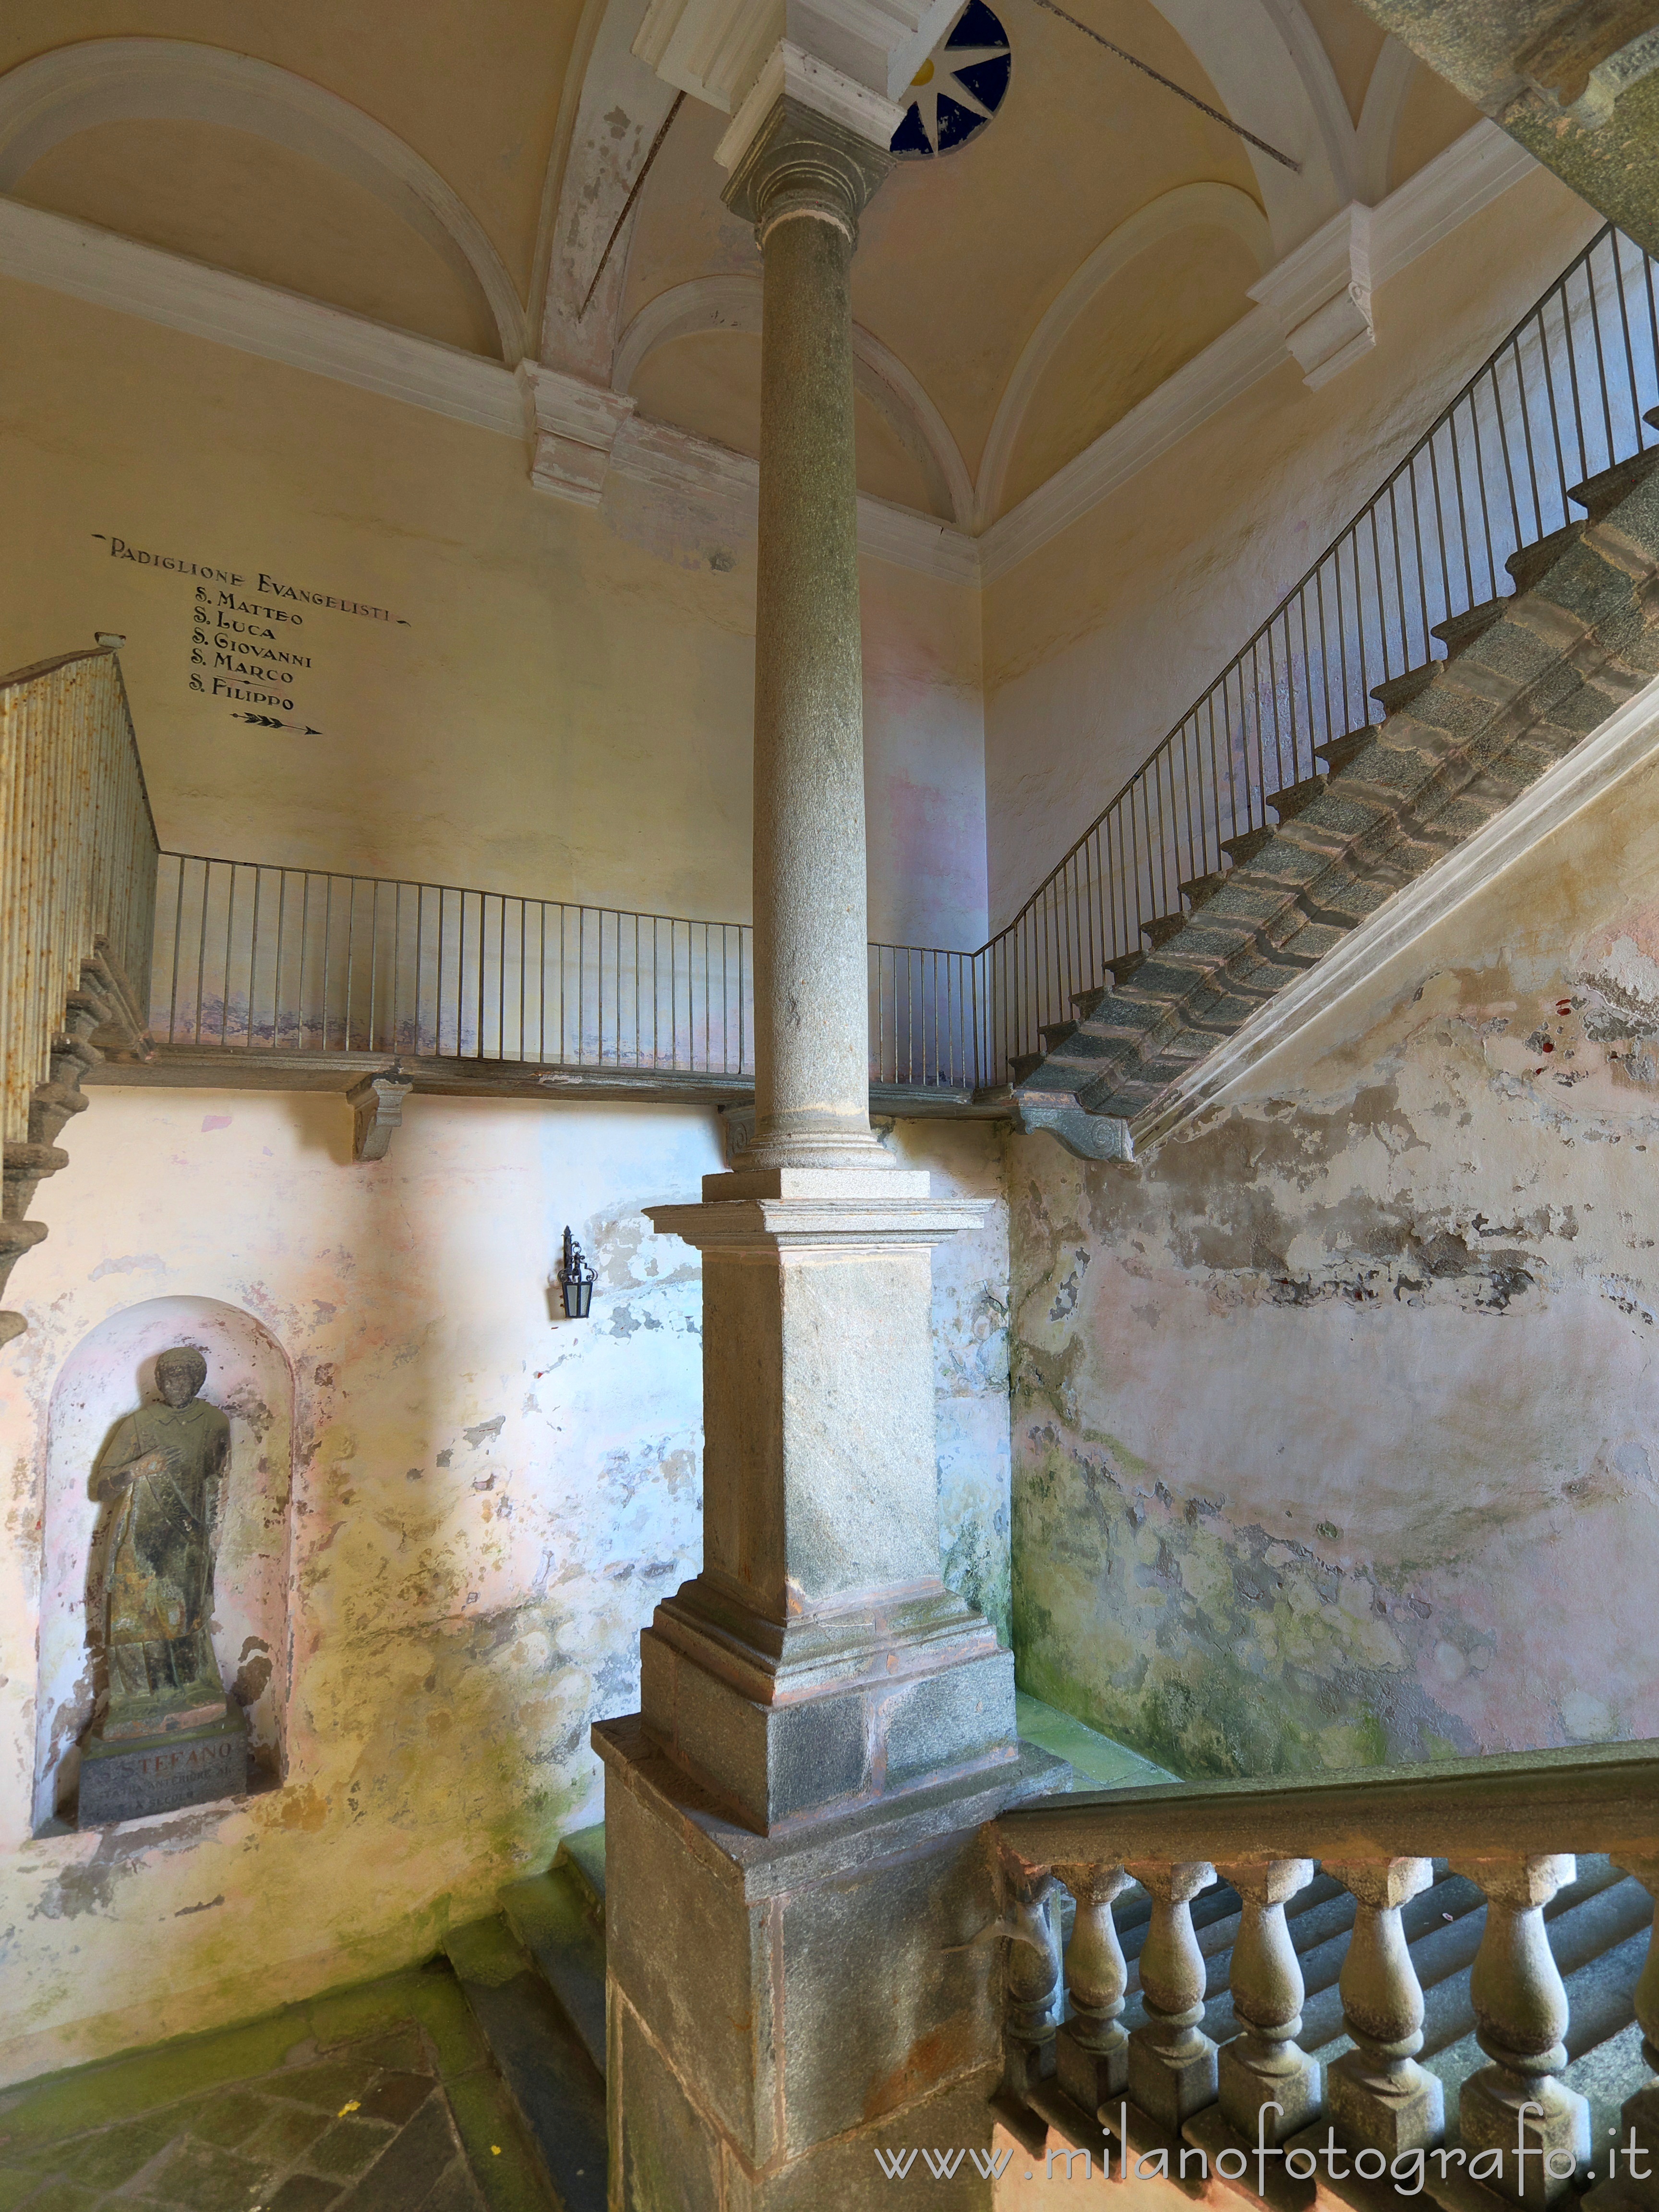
732 302
74 88
1266 62
1379 120
1221 206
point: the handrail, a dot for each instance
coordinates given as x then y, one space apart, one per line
1602 1797
251 958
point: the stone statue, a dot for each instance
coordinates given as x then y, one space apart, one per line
161 1473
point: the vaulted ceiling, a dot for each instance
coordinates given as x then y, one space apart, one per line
454 171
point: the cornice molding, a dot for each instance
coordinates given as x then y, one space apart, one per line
1472 172
75 88
112 272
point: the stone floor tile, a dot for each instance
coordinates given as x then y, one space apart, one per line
327 2085
397 2098
113 2156
227 2118
402 2178
348 2147
200 2177
456 2191
304 2192
290 2129
403 2051
63 2197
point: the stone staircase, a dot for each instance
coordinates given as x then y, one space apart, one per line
1525 678
534 1977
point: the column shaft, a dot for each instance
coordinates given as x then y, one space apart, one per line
811 990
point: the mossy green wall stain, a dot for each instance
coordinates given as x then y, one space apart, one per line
1334 1429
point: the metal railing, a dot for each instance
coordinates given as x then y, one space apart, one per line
1560 399
250 958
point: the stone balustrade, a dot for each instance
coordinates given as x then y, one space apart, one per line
1218 1868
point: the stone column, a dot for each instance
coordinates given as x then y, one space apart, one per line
799 1876
803 183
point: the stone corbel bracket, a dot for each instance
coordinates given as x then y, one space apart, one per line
573 428
1086 1136
1321 294
377 1108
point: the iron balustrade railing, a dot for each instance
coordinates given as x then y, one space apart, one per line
250 958
1559 400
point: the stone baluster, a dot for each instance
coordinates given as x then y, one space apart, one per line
1091 2050
1031 1976
1520 2012
1378 2094
1263 2066
1172 2064
1640 2115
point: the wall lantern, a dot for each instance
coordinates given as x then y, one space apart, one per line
575 1280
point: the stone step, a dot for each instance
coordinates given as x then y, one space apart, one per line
1055 1034
1089 1003
1242 849
554 1917
558 2091
1203 888
1125 966
1295 797
583 1851
1162 927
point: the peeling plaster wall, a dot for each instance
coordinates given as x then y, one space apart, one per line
486 1504
1335 1432
1097 644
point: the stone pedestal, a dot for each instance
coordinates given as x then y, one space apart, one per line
135 1776
781 2009
818 1661
802 1924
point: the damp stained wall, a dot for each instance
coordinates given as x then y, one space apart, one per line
486 1504
1335 1428
1102 639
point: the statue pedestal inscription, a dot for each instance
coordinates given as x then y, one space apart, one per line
164 1734
125 1780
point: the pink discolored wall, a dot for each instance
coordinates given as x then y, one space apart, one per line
1335 1433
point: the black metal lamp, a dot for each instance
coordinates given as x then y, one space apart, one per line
575 1281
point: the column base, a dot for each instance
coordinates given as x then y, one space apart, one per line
781 2008
1171 2083
1491 2118
1247 2094
836 1710
1392 2114
1088 2077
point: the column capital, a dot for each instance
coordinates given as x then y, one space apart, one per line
799 159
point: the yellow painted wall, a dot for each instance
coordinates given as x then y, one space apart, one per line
1097 644
552 700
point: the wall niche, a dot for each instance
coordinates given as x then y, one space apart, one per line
110 1374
